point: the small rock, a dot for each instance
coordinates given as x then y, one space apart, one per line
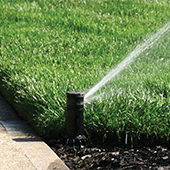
160 168
115 153
86 156
112 159
126 152
96 150
104 158
164 149
76 159
165 157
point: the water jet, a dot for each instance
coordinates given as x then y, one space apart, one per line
147 44
74 118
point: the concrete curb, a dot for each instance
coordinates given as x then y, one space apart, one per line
34 152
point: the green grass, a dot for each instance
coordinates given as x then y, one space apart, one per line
49 48
137 101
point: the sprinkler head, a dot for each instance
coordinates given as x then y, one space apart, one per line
74 118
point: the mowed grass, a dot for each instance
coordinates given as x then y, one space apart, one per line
51 47
137 101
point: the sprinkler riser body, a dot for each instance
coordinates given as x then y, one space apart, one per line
74 114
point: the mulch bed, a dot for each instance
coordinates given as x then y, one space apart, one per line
110 157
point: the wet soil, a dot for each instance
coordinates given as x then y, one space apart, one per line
111 157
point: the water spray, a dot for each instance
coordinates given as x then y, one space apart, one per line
74 118
148 43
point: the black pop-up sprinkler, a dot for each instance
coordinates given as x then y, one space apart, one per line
74 118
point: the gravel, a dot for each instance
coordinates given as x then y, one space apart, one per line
108 157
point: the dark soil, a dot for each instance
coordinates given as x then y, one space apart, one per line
108 157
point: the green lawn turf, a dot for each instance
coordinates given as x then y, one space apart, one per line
51 47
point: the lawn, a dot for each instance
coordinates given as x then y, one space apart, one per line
51 47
